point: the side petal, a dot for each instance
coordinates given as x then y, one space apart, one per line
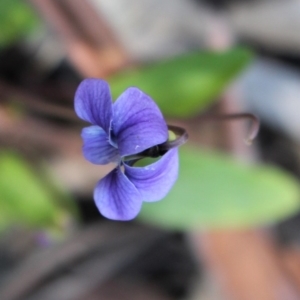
116 197
138 123
93 102
155 181
96 147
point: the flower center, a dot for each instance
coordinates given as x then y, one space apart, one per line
113 139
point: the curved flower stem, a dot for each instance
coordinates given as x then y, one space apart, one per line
161 149
181 138
255 123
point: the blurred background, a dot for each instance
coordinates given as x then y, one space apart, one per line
229 229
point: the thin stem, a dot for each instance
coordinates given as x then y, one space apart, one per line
161 149
255 123
182 137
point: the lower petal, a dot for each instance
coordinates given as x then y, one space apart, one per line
155 181
96 147
116 197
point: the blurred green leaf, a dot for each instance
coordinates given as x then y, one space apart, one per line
24 197
214 191
184 85
16 20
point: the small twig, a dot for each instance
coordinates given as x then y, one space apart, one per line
35 103
90 42
116 246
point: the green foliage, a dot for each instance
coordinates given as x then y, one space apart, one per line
16 19
26 199
215 191
184 85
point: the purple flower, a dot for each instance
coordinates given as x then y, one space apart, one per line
121 132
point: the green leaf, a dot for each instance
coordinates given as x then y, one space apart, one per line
16 20
184 85
214 191
24 197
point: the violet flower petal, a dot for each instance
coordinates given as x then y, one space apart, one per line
155 181
93 103
116 197
138 123
96 147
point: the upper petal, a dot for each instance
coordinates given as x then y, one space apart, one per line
116 197
138 123
96 147
155 181
93 102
